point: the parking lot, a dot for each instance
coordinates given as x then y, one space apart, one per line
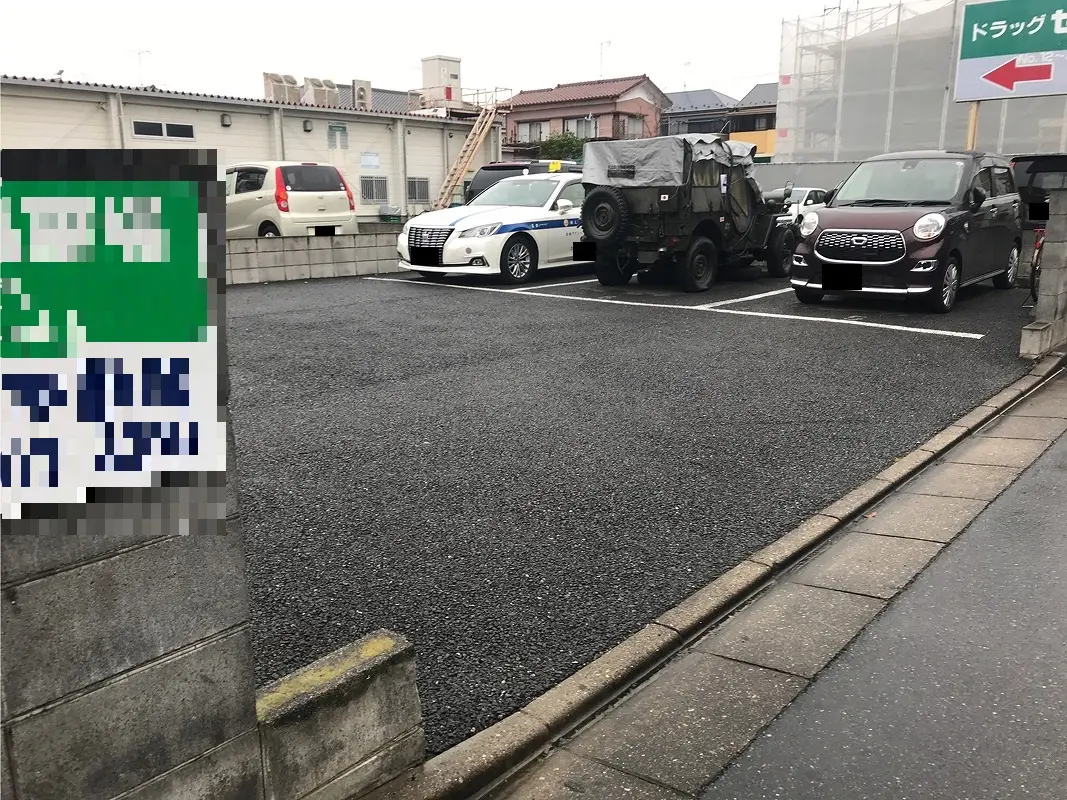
519 478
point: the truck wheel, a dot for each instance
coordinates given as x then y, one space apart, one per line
605 216
780 253
612 271
701 264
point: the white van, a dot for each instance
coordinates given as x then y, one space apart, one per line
288 198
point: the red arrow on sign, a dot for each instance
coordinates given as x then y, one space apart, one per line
1011 73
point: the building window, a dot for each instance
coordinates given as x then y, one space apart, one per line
337 136
635 126
163 130
581 127
418 190
762 123
531 131
374 190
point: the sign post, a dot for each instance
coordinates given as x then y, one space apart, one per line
1010 49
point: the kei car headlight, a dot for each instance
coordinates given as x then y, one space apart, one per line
929 227
480 231
809 223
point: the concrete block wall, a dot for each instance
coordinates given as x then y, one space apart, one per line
1048 331
372 251
127 658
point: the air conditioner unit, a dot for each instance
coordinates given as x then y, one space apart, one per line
361 96
280 88
333 95
314 93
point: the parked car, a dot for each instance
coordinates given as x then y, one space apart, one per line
679 205
1035 175
515 227
801 200
921 223
496 171
281 198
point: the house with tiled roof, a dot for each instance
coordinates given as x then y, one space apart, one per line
751 119
612 108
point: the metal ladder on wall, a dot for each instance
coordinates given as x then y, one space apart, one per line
482 125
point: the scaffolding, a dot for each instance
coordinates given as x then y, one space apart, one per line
856 82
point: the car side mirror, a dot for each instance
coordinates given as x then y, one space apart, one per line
826 198
978 196
788 190
563 206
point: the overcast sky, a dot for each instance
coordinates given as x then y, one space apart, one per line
224 47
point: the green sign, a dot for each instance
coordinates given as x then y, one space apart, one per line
1013 27
110 366
1012 48
98 262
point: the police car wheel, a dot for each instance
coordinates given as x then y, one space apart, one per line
518 259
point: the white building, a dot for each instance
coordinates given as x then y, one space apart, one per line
395 158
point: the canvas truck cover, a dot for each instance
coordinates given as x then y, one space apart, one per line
659 161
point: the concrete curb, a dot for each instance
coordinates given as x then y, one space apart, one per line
482 762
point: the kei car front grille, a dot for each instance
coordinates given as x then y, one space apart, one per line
863 247
426 246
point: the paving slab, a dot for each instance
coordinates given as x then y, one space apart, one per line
876 566
920 516
996 451
1017 427
683 727
566 776
793 628
957 690
1044 404
962 480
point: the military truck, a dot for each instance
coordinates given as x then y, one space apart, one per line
679 206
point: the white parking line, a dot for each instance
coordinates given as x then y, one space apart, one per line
936 331
554 285
708 308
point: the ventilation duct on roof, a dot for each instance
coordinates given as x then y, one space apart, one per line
361 96
280 88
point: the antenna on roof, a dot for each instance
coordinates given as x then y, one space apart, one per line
685 74
602 46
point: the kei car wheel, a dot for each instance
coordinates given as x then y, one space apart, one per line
518 259
701 264
943 296
1006 279
269 229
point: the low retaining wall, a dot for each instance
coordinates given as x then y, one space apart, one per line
295 258
1048 331
344 725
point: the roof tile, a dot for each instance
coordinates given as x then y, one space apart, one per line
584 91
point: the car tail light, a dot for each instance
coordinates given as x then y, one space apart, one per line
348 191
281 196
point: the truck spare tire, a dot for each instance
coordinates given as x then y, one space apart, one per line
605 215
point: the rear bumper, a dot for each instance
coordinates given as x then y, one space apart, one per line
289 227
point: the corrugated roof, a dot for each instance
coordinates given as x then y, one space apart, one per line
699 100
383 107
762 94
385 101
605 89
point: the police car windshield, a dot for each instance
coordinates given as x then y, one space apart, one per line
526 193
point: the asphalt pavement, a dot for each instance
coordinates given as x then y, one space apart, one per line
958 690
517 483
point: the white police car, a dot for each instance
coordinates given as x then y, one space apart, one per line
514 227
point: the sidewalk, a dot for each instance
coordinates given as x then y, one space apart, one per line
955 689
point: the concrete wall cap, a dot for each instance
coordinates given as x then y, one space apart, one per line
331 675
